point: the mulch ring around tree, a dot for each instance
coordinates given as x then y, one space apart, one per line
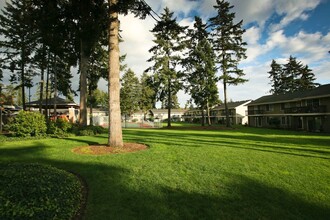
100 149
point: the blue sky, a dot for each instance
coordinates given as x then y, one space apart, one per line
275 29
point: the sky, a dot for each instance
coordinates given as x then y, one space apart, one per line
274 30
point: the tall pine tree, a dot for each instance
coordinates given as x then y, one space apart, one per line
200 69
18 41
168 37
275 75
229 47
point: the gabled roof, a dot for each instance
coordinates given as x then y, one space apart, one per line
231 105
321 91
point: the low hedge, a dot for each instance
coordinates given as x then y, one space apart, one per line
35 191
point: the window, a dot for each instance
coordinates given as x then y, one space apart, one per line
313 102
269 108
282 106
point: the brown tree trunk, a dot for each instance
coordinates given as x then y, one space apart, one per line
83 86
115 130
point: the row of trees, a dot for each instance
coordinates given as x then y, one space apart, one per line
50 37
191 58
290 77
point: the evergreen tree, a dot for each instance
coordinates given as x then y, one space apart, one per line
130 93
291 72
275 75
18 41
200 69
147 94
229 47
307 79
168 37
290 77
174 104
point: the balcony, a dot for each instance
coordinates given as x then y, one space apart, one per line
255 112
306 109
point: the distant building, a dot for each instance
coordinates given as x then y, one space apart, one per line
237 113
307 110
162 114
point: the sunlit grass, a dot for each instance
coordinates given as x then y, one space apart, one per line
242 173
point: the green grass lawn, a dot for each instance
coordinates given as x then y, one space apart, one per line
243 173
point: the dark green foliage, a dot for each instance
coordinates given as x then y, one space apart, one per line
168 42
147 99
275 122
28 124
275 75
130 93
89 130
59 127
16 28
228 46
35 191
200 68
290 77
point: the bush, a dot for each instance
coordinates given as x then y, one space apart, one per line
274 122
60 127
35 191
89 130
27 124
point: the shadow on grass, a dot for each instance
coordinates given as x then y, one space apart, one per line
306 147
113 195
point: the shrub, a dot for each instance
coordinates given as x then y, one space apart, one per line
35 191
28 124
274 122
59 127
89 130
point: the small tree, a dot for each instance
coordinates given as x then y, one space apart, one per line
147 94
130 93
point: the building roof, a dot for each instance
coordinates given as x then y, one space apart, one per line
61 103
164 111
231 105
321 91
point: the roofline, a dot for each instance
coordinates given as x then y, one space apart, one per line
290 100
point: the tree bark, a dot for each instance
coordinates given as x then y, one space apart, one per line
115 130
83 86
226 105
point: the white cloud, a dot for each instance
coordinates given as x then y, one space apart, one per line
293 11
180 6
137 41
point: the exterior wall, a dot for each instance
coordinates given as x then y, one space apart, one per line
308 115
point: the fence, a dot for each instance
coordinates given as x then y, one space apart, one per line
104 122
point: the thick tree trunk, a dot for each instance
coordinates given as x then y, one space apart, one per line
83 86
208 113
42 75
226 105
169 104
115 130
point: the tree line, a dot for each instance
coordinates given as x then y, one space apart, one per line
291 77
48 38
